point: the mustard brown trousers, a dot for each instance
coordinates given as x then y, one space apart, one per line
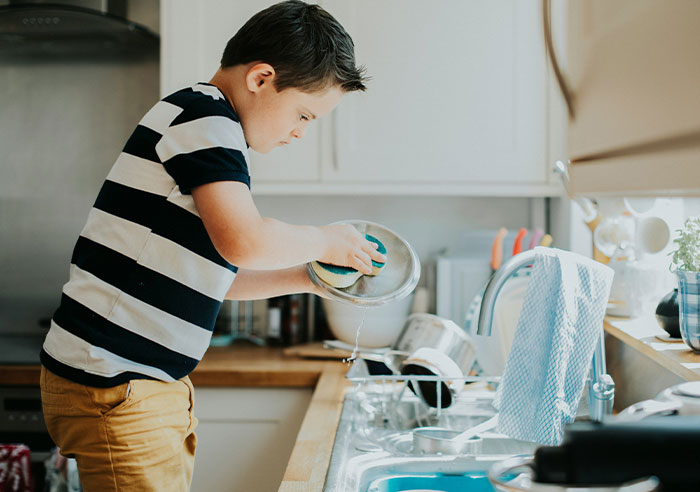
136 436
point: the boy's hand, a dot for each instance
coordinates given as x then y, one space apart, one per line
346 246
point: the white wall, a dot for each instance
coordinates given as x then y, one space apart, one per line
62 125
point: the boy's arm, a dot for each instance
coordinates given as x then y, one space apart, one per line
249 241
250 285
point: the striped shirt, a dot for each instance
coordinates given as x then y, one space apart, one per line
146 282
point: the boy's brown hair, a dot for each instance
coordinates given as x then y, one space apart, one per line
306 46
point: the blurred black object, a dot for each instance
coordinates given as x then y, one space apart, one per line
377 368
667 314
613 453
427 390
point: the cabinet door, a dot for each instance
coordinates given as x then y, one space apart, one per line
634 68
245 436
193 38
635 75
458 93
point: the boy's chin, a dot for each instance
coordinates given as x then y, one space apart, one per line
262 149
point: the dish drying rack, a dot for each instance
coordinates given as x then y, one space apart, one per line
385 409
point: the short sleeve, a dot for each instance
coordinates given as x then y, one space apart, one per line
203 145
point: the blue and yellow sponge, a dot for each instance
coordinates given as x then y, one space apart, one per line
376 266
336 276
341 277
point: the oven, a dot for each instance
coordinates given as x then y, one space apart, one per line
22 422
21 418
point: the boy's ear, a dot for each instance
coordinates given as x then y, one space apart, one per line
259 76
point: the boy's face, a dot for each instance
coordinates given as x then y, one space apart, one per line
275 118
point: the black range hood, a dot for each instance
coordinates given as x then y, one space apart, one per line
50 31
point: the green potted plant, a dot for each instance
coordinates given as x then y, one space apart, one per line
686 261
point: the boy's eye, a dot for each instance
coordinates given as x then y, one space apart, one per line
303 117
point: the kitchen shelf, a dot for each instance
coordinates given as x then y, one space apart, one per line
646 336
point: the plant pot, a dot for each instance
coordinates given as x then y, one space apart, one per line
689 307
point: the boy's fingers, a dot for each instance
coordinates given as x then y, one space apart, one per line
375 254
364 263
378 257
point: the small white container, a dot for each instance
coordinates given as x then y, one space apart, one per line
381 325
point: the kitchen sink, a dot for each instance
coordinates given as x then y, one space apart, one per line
384 472
373 449
470 481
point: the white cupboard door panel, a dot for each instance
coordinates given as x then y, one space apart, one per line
248 456
635 73
194 35
457 93
245 436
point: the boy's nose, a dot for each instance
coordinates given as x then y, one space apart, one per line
298 132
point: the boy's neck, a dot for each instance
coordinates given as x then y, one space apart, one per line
227 80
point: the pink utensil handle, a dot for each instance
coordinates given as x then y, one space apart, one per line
536 237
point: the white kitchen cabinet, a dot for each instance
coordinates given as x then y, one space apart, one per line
459 100
458 94
245 436
634 73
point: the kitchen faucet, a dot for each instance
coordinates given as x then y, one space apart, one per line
600 385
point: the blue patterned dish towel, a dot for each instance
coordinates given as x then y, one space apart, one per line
549 361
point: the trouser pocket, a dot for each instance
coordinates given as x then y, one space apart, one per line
190 389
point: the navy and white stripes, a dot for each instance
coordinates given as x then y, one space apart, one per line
146 282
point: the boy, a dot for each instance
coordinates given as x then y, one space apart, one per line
172 227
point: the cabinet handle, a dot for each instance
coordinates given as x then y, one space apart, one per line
549 44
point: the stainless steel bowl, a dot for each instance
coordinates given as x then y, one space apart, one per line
424 330
427 330
398 277
438 440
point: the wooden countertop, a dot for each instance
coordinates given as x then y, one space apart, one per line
245 365
646 336
241 365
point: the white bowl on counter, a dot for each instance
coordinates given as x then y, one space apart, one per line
381 326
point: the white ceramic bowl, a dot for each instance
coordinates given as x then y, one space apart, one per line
381 325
